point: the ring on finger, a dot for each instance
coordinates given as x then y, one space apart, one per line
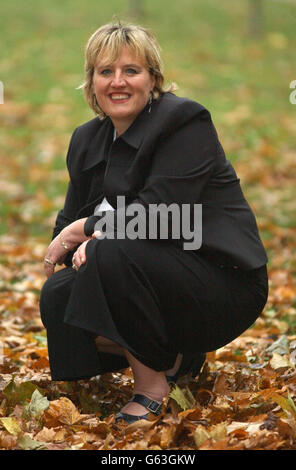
48 261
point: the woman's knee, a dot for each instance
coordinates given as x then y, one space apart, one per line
54 293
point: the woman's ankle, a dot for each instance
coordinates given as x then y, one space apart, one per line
156 391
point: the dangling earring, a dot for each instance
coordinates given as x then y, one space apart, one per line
95 103
150 101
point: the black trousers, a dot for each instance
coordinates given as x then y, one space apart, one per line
150 297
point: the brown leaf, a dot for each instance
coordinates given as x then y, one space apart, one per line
7 441
204 396
222 384
96 426
45 435
167 436
285 430
263 440
193 415
41 363
142 425
61 411
239 434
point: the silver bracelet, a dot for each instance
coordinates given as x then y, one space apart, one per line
63 243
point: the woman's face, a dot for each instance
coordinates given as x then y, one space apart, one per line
122 89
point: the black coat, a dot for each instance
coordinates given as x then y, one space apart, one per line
169 155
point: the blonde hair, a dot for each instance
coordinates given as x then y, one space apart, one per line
107 42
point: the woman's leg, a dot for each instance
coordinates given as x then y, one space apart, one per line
147 382
72 351
107 346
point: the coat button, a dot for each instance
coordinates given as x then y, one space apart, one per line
221 265
235 267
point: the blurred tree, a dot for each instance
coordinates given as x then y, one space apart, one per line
136 8
255 17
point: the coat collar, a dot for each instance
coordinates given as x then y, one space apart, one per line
100 143
135 133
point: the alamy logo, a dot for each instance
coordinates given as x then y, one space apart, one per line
1 93
157 221
293 94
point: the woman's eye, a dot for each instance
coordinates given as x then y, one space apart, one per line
131 71
105 72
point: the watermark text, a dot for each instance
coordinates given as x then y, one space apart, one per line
157 221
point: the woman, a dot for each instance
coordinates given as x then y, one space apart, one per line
147 301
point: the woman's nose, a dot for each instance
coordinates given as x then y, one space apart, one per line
118 80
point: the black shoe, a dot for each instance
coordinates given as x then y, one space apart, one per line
189 364
151 405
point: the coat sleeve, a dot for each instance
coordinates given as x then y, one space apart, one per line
181 168
67 215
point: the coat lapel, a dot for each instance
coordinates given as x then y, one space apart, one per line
99 145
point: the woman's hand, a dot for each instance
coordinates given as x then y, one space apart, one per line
79 256
67 239
56 254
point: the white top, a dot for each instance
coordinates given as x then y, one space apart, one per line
104 205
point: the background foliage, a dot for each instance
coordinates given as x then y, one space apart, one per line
209 49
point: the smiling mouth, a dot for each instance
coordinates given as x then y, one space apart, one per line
119 97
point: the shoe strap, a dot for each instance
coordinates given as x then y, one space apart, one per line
151 405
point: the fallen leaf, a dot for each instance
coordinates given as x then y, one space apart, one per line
218 431
37 405
46 435
167 436
11 425
27 443
191 414
18 394
7 441
281 346
286 404
61 411
184 398
200 436
277 361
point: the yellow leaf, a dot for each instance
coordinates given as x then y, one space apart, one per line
200 436
218 432
277 361
286 404
11 425
184 398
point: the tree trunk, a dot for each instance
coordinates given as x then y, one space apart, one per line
255 17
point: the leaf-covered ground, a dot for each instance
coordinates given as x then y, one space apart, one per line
245 397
